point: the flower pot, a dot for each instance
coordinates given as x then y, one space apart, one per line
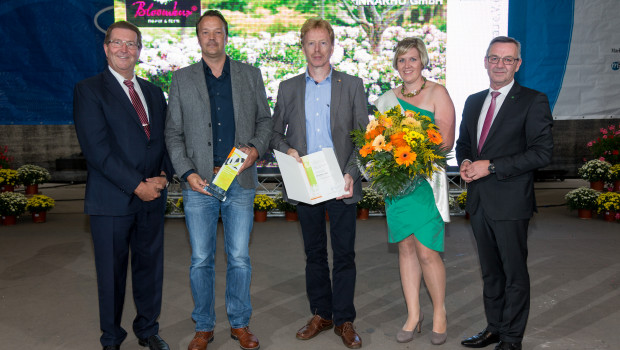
39 217
584 213
617 186
597 185
362 213
32 189
260 215
9 220
290 216
609 216
7 188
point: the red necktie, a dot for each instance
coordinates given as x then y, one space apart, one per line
137 104
487 121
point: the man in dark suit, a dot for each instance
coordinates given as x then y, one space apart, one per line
119 120
505 135
216 104
314 110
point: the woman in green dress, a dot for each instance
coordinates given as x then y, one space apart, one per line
416 220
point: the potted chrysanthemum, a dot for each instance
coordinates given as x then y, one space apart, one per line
38 205
12 204
609 204
290 210
614 177
583 200
31 176
262 204
461 200
596 172
371 201
8 180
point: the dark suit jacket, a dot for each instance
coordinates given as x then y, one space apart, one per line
348 111
117 151
519 142
189 135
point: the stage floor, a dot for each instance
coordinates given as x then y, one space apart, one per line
48 291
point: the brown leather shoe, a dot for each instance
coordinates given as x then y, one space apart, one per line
315 325
247 340
350 338
200 341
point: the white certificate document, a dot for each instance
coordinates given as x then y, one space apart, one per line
317 179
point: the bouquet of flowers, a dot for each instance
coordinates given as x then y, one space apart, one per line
594 170
582 198
12 203
606 147
263 202
396 151
32 174
39 203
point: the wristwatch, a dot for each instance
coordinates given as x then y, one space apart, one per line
492 167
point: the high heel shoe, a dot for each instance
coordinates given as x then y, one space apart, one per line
404 336
439 338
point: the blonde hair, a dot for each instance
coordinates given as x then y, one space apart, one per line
316 23
407 44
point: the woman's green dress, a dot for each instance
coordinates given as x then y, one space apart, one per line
416 213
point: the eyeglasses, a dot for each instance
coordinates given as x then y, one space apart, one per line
117 44
509 61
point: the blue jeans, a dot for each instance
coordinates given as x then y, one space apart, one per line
201 216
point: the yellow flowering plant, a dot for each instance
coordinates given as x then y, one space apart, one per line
398 151
608 201
461 199
39 203
8 177
263 202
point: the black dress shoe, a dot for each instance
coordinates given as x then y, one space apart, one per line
508 346
112 347
481 340
154 342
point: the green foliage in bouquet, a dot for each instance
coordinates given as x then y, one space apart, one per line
582 198
594 170
371 200
263 202
33 174
12 203
8 177
398 151
39 203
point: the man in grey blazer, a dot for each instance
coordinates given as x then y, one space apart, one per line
315 110
214 105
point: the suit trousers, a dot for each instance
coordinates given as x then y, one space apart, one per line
502 249
113 238
326 299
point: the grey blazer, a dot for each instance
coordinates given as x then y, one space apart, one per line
348 110
189 136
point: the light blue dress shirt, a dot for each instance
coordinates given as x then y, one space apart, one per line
318 99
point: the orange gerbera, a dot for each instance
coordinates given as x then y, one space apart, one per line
397 140
366 150
378 144
404 156
387 122
434 136
372 134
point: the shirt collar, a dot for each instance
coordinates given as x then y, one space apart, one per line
120 78
504 90
225 69
328 79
